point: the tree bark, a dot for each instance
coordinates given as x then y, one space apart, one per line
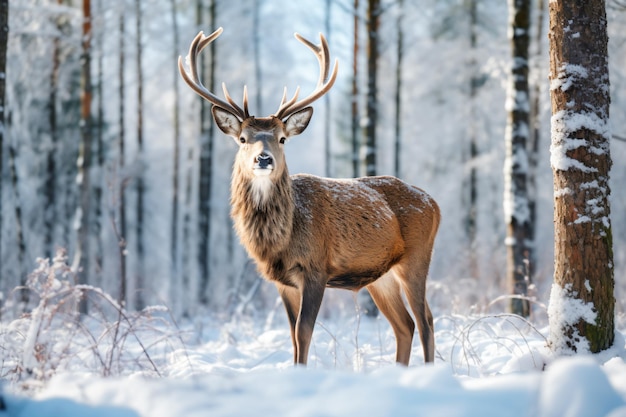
516 211
582 303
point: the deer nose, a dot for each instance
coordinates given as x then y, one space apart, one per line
264 160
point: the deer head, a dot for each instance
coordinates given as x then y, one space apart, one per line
260 139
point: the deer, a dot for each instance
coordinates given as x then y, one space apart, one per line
307 233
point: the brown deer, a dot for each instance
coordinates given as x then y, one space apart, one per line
307 233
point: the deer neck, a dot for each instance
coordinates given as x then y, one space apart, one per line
263 212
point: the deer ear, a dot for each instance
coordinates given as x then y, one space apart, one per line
226 121
297 122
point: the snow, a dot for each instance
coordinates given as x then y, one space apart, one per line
485 365
565 311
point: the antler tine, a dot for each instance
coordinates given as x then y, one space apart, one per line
239 111
191 77
245 101
323 85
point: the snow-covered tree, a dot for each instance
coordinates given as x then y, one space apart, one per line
516 212
581 302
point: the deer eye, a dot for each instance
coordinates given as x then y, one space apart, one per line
282 140
242 139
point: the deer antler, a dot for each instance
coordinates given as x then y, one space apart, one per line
321 53
191 77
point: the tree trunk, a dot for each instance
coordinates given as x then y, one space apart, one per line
516 213
327 118
373 24
398 93
582 304
535 138
50 215
4 38
469 190
120 222
176 165
139 226
100 156
81 264
19 223
356 145
206 163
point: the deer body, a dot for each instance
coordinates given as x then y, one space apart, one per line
307 233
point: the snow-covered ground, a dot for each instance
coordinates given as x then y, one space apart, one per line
485 366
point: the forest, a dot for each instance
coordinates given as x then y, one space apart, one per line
119 257
111 163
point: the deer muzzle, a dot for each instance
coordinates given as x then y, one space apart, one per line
263 164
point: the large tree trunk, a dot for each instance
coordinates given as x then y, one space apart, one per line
582 303
516 212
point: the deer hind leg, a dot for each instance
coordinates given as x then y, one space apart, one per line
387 295
413 279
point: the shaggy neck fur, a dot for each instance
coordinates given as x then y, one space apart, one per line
262 211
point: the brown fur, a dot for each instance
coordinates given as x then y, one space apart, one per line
308 233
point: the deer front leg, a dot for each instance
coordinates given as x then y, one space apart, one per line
291 301
312 293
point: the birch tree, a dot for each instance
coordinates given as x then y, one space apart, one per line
516 211
582 303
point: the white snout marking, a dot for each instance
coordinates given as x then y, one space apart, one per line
263 172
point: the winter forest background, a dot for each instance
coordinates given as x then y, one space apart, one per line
154 149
